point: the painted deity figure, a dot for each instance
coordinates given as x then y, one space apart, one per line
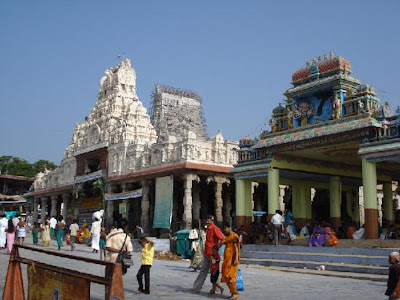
336 107
289 116
361 107
272 123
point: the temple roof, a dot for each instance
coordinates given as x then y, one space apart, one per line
323 68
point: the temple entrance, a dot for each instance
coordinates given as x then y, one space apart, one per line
320 206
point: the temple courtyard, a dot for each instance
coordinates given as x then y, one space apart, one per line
173 280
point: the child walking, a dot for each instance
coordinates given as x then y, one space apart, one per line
146 261
35 233
214 270
102 244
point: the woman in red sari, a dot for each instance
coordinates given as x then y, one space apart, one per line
231 260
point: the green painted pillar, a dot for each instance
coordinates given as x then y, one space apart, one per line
295 199
335 191
370 199
307 203
299 206
273 192
244 208
388 203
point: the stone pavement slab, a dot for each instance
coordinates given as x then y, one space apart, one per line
173 280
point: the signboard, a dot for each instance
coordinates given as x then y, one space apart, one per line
45 284
122 208
163 202
122 196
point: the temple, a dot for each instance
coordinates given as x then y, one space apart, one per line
331 150
157 170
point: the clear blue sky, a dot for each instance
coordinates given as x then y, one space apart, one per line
238 55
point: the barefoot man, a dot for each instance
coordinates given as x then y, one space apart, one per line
214 236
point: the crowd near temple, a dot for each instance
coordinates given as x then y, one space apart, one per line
331 154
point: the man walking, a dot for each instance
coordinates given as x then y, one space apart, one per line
214 236
277 221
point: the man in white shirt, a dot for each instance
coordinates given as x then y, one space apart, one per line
53 222
277 220
74 227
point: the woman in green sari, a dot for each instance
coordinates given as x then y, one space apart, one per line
59 232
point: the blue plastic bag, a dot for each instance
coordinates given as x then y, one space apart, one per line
239 281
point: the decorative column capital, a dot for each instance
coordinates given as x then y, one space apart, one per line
218 180
191 177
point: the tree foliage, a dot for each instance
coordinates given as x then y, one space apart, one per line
12 165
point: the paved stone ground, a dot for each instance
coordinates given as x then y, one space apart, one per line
173 280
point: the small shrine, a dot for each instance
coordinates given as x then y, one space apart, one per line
330 143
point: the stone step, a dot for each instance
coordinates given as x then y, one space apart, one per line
319 257
354 268
358 276
333 250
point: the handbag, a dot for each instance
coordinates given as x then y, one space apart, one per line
239 281
124 258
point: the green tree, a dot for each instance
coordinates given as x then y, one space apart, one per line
12 165
4 162
43 164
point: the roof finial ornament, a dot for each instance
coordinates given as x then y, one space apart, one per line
319 59
308 63
325 57
314 61
121 56
332 55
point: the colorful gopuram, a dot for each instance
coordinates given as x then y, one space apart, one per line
330 145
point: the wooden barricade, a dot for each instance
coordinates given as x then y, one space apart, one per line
47 281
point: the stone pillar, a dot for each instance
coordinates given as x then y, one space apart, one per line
53 212
388 203
125 215
36 202
370 199
243 203
187 201
65 198
109 221
218 204
43 209
227 206
196 203
145 206
273 192
335 192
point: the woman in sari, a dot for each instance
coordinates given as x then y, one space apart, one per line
330 236
230 264
10 235
317 238
46 233
198 255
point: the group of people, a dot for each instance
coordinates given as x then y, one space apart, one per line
12 230
206 247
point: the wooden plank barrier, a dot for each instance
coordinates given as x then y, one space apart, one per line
47 281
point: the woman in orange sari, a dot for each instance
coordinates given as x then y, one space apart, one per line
231 260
